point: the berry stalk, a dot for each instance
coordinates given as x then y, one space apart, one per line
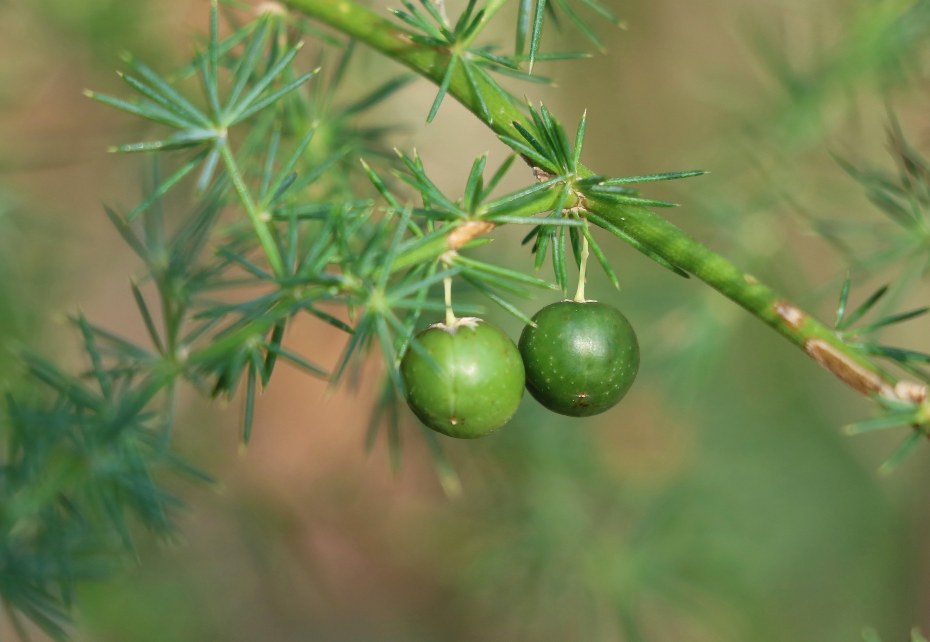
447 287
582 270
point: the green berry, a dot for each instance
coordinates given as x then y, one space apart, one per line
581 358
472 382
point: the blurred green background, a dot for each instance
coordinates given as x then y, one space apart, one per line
718 502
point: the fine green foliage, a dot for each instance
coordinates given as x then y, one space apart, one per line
312 239
902 199
557 164
531 16
896 413
432 28
861 336
901 196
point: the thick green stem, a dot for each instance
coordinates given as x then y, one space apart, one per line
646 227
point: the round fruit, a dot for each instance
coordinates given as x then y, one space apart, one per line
581 358
472 382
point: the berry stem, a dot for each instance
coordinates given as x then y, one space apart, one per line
450 315
582 268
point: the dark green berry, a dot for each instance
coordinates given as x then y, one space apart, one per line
472 382
581 358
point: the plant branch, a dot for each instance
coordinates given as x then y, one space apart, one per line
497 110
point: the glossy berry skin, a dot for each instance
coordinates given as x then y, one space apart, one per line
581 358
475 383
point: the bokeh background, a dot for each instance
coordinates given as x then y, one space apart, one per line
719 501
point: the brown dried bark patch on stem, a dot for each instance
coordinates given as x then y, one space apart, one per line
790 314
466 232
539 173
846 369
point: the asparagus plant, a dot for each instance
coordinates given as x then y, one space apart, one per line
297 210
